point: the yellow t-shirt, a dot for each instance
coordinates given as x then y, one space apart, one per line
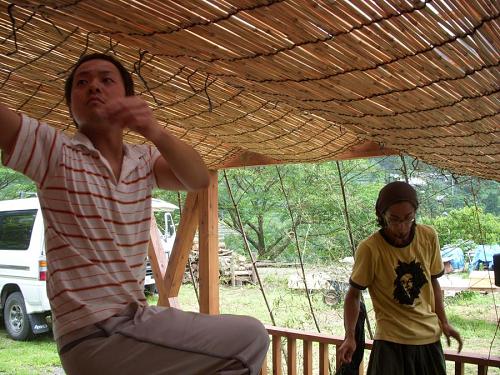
399 282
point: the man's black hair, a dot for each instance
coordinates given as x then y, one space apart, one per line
128 82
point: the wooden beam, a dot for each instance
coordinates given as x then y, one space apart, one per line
248 159
209 247
158 261
363 150
182 247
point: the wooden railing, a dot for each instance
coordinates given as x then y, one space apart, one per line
307 339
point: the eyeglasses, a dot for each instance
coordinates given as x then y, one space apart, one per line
396 222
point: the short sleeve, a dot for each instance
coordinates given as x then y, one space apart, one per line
154 155
436 264
364 265
35 150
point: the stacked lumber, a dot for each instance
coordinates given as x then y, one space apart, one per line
234 268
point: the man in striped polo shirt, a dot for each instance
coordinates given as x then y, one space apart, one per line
95 194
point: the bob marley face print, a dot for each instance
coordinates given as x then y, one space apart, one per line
409 280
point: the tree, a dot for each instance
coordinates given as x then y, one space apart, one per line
14 185
466 223
265 223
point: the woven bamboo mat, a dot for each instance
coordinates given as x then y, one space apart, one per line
279 81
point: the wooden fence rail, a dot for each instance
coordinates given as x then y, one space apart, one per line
324 341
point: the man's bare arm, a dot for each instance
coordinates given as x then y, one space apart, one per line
184 165
351 313
448 330
180 167
10 123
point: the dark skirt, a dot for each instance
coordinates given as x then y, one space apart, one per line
389 358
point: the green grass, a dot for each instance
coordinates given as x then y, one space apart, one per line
27 358
473 314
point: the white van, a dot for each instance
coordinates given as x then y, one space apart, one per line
166 227
23 266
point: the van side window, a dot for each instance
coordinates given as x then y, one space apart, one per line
15 229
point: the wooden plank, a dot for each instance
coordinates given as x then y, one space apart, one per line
482 360
323 359
276 355
209 247
310 336
292 356
365 150
158 262
482 370
307 357
182 246
248 158
482 279
459 368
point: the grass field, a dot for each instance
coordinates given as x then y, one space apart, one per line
473 314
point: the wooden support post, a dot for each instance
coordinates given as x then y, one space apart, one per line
308 357
323 359
181 249
292 356
459 368
276 355
337 357
209 247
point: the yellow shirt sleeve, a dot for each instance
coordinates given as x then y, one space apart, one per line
364 265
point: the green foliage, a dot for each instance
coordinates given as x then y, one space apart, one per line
466 223
14 185
313 194
464 298
264 219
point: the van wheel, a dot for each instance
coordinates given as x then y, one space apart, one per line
16 319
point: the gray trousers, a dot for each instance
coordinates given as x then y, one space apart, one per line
161 341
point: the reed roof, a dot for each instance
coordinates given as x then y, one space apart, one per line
260 81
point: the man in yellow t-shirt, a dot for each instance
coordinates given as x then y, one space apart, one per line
400 265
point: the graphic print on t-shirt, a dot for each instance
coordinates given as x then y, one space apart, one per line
409 280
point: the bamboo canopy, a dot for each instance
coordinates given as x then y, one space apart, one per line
251 82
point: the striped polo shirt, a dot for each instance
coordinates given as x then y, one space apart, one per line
96 228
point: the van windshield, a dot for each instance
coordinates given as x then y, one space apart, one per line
15 229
